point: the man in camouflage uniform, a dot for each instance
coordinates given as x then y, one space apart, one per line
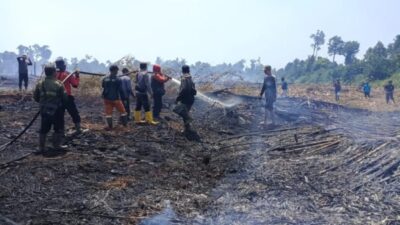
50 94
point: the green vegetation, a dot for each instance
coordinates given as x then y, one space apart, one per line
379 64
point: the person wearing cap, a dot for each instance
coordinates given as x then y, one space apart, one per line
126 86
112 95
389 90
338 88
23 63
185 99
269 89
69 83
50 94
157 85
143 89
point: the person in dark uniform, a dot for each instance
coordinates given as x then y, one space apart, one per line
389 90
23 63
269 89
50 94
112 95
185 99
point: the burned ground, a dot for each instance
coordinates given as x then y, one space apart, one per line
323 164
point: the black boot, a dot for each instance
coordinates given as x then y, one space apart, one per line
42 144
78 129
109 123
57 142
124 120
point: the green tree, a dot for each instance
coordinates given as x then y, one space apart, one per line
394 52
349 51
377 63
318 41
335 46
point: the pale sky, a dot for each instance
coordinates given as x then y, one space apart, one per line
212 31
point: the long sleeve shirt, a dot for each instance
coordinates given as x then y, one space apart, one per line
72 81
126 86
112 88
187 90
23 64
269 88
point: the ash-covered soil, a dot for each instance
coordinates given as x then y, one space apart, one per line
321 164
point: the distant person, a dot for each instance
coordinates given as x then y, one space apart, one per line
185 99
389 90
367 90
338 89
127 89
269 89
50 94
143 89
157 85
112 95
284 87
69 83
23 62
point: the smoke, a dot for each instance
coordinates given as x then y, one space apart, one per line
166 217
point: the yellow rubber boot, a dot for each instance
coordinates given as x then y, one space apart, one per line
149 118
137 116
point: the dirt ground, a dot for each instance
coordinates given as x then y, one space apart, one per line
322 163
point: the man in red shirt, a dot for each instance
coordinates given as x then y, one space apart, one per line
72 81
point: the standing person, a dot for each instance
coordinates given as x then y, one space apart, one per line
112 95
23 63
269 88
367 90
50 94
185 99
127 89
284 87
142 99
337 88
389 90
71 82
157 85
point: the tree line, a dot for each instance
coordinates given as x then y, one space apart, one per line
378 63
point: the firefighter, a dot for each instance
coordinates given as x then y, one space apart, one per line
50 94
23 63
143 89
185 99
157 85
127 89
269 88
71 82
112 95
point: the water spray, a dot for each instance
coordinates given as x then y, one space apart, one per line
206 98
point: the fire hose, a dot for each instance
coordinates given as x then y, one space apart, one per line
3 147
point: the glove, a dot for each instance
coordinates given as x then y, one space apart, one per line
77 73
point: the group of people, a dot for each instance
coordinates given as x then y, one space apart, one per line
55 96
366 89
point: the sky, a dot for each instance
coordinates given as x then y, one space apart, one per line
213 31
